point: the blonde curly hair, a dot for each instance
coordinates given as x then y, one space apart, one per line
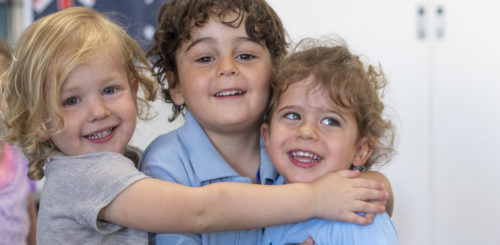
47 51
5 55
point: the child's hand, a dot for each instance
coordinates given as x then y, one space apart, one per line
371 216
340 196
389 203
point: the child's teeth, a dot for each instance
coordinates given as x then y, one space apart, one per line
229 93
100 134
302 156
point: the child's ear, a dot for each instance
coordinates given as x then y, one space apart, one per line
363 152
264 133
174 88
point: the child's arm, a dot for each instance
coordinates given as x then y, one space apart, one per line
377 176
160 206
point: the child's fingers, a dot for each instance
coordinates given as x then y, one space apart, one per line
370 195
371 184
358 219
370 215
368 207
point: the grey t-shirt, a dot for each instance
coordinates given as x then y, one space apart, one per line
75 190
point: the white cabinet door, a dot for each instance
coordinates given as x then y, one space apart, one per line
386 32
466 120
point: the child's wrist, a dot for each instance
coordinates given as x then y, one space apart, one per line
305 197
312 199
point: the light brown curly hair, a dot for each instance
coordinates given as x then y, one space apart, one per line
47 51
5 55
177 18
354 87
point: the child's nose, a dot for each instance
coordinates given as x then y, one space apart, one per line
227 66
307 131
98 110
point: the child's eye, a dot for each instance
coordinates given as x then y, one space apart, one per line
245 56
71 101
330 121
205 59
292 116
109 90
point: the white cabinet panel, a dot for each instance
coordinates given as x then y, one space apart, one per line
466 119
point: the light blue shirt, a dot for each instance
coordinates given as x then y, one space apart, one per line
380 232
186 156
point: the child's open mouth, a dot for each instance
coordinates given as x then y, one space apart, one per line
304 159
232 92
101 137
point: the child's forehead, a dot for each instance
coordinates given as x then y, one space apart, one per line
69 63
215 31
307 88
73 58
315 89
229 19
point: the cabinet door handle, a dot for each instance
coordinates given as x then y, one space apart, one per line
421 23
440 22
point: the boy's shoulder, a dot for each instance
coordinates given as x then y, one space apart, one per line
178 141
165 142
165 148
334 232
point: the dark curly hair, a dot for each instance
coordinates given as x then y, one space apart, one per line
177 18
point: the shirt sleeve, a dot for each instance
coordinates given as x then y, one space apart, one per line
101 180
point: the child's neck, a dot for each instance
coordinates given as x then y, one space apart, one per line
241 150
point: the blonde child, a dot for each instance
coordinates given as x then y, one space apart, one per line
17 192
326 115
71 101
216 56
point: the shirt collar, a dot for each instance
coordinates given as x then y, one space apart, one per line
208 164
268 173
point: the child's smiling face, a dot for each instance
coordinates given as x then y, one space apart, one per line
309 136
98 106
223 77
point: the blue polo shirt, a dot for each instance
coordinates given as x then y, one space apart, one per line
380 232
186 156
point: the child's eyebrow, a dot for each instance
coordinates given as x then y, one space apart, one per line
212 40
199 40
287 108
67 92
247 39
337 111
